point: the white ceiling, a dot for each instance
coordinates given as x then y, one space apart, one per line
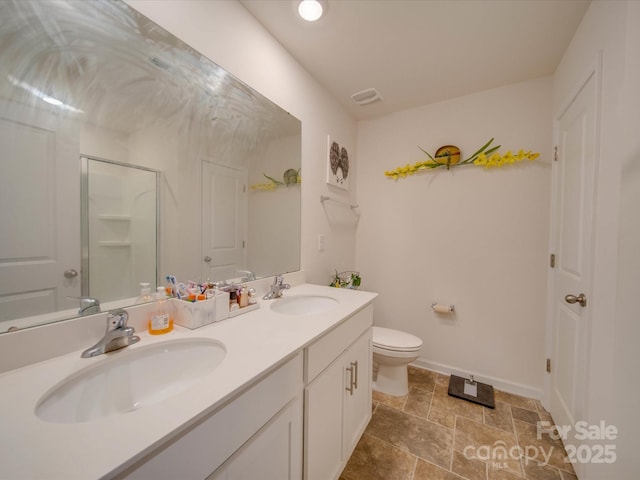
416 52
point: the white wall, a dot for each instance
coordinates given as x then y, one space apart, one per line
103 143
273 214
611 30
226 33
471 237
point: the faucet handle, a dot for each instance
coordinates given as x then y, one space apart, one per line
117 319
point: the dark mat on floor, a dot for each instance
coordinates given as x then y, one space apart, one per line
484 392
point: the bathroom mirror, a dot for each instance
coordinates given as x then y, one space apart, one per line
98 80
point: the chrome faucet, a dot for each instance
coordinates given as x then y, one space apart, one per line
117 336
276 288
88 305
249 276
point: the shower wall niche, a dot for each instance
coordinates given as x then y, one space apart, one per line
119 228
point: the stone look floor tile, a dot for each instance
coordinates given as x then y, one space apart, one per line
423 435
475 439
374 459
422 379
389 400
496 473
524 415
412 434
443 379
546 417
428 471
535 471
542 448
471 469
442 417
442 399
418 402
499 417
517 400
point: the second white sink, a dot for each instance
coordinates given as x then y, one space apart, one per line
130 380
303 304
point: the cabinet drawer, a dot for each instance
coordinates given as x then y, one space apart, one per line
325 350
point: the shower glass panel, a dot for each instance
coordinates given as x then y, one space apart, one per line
119 229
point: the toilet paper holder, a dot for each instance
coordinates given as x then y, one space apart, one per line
438 308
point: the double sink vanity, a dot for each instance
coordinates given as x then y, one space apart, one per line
281 392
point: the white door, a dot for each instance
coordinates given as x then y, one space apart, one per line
40 214
576 137
224 217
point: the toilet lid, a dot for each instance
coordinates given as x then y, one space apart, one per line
390 339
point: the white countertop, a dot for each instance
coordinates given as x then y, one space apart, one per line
256 342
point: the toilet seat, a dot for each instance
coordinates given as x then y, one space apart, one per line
392 340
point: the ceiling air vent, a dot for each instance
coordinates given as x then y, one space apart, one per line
367 96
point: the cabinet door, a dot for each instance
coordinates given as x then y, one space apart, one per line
323 424
357 404
275 452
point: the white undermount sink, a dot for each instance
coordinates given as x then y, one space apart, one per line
131 379
303 304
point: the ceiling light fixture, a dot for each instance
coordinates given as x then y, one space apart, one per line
310 10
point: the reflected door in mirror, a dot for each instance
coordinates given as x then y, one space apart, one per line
224 205
40 218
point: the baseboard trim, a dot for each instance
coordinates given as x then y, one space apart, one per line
498 383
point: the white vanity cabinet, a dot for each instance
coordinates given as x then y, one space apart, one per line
255 433
337 395
274 452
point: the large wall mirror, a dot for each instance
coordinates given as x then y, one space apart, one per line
95 83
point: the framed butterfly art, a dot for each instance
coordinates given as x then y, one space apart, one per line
337 164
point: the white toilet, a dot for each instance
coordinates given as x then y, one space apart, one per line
393 350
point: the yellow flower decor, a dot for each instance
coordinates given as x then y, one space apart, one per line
485 157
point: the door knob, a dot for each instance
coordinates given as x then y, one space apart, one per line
581 299
70 273
207 259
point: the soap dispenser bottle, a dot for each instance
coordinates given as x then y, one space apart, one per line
145 294
161 320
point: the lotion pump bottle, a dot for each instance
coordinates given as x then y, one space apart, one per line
161 320
145 294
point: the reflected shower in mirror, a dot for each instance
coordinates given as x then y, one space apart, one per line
119 228
98 80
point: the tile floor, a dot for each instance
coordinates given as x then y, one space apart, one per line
428 435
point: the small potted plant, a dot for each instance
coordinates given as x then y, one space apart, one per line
346 280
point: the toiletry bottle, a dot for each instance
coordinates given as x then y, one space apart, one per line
233 300
243 296
145 294
210 293
193 294
252 297
161 320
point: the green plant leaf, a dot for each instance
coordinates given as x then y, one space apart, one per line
482 149
277 182
426 153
